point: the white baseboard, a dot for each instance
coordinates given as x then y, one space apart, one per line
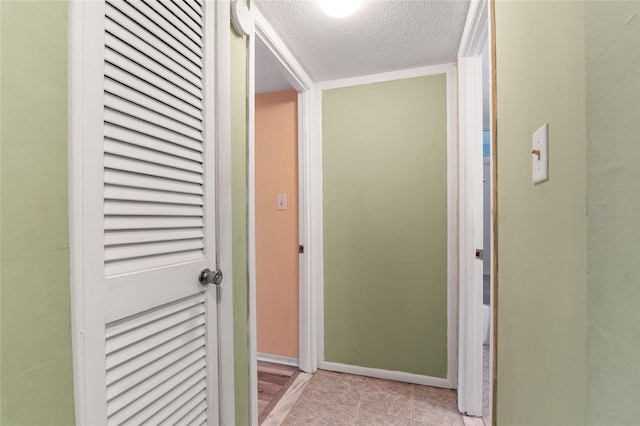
278 359
378 373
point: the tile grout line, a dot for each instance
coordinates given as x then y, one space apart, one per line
306 405
279 413
412 386
413 396
364 389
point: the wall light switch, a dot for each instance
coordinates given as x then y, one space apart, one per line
540 155
282 201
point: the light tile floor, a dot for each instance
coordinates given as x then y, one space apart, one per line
343 399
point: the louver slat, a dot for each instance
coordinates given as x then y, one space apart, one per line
150 249
118 89
168 27
117 328
115 177
127 79
196 417
153 28
193 361
130 194
130 122
171 87
150 209
135 335
133 166
156 367
145 141
140 411
147 116
182 406
153 125
193 14
143 39
158 261
178 19
132 223
193 5
193 394
127 354
156 361
151 362
152 66
152 47
151 156
134 237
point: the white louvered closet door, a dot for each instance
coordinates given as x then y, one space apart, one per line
151 343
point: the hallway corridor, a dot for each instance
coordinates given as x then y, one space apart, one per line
342 399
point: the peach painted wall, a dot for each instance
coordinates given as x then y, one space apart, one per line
276 156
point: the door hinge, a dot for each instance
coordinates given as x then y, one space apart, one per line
301 249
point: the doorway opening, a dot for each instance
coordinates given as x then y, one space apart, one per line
477 202
486 235
281 337
277 247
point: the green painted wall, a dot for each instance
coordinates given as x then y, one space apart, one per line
612 40
542 244
37 383
239 167
0 213
37 378
385 242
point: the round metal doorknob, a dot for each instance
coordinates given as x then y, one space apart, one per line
207 276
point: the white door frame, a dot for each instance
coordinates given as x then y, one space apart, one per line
452 226
308 218
474 38
77 226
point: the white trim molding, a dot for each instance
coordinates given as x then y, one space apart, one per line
386 76
76 207
398 376
476 29
316 234
223 128
452 226
278 359
452 221
474 39
251 249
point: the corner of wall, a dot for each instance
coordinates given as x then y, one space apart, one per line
240 224
1 208
542 240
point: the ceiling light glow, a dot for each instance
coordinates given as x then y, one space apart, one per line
339 8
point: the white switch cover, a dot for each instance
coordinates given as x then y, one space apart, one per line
282 201
540 155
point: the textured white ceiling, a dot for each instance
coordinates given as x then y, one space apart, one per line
383 35
269 76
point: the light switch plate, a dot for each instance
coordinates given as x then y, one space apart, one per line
282 201
540 155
